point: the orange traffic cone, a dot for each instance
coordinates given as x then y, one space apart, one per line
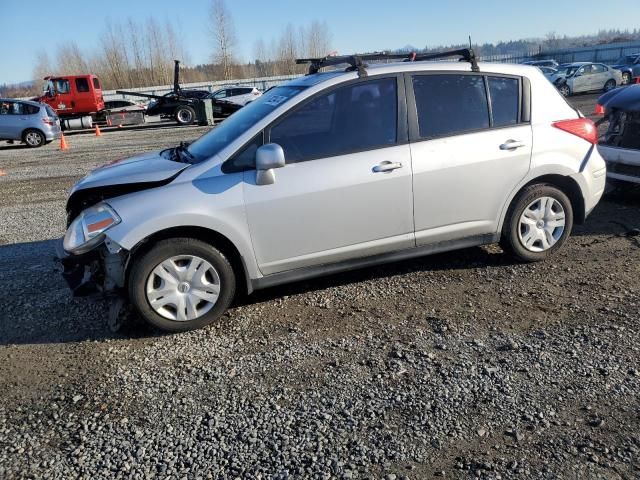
98 132
63 143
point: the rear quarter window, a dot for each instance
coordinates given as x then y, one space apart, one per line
505 100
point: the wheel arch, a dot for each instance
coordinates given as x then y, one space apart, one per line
32 129
211 237
565 183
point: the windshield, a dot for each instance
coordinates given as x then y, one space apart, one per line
567 71
210 144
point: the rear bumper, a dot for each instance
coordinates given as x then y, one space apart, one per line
592 179
53 134
623 164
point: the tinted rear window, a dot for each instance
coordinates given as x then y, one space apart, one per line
450 104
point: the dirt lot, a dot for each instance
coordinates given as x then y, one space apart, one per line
461 365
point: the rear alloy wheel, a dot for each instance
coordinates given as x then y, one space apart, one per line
538 223
34 138
626 78
564 90
185 115
610 85
181 284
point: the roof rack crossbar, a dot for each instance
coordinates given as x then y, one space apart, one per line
356 62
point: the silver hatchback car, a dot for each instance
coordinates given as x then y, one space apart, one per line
33 123
334 171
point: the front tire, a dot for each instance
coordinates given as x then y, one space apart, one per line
626 78
181 284
185 115
538 223
564 90
33 138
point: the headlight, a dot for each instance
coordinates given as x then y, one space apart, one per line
87 230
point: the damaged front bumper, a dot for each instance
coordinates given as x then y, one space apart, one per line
99 271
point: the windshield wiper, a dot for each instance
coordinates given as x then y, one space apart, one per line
183 154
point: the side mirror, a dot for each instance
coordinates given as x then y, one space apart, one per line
268 157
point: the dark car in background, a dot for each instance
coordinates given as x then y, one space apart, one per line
231 99
620 146
178 106
629 65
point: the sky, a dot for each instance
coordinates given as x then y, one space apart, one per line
355 25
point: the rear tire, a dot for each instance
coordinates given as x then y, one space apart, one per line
538 223
185 115
626 78
610 85
182 300
33 138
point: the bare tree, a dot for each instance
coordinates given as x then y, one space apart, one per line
318 41
287 51
224 37
42 67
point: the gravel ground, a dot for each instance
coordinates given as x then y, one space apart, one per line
461 365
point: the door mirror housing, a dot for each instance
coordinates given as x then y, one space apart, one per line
268 157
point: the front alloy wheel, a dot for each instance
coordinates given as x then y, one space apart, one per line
181 284
564 90
626 78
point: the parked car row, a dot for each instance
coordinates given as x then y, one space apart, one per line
580 77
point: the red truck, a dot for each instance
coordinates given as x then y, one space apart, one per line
78 101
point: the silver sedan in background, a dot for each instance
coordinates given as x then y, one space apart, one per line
583 77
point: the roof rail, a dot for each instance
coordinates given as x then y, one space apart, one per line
356 62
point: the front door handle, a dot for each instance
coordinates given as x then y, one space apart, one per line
511 145
387 167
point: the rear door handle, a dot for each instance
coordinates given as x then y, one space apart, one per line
511 145
387 167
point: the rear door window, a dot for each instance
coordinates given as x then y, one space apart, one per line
82 85
450 104
28 109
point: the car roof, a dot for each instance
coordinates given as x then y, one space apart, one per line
28 102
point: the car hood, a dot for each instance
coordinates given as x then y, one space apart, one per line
148 167
626 99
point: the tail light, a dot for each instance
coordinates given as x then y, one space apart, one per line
256 93
581 127
48 120
638 80
599 109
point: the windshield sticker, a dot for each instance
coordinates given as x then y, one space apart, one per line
276 100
